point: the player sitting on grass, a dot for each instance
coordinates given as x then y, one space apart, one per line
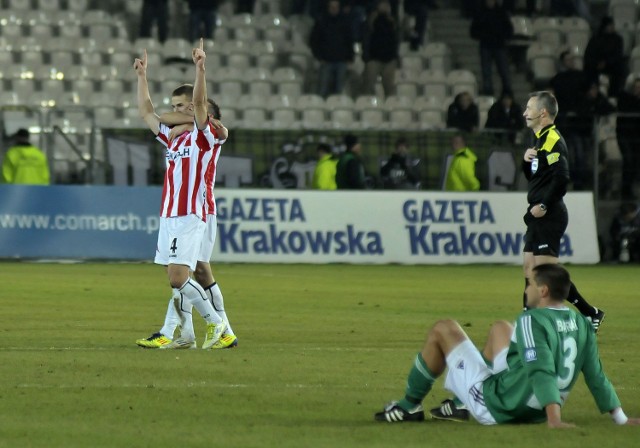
535 365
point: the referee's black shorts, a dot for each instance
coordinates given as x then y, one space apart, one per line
544 234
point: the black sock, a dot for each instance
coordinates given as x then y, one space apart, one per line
579 302
524 294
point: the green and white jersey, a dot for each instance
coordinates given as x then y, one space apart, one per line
549 348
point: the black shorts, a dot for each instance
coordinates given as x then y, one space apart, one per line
544 234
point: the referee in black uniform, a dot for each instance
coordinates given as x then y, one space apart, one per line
546 167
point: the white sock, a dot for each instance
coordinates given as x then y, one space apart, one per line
215 296
171 319
194 294
186 316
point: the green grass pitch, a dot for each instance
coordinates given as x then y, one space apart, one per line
321 348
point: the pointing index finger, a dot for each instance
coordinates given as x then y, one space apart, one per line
202 43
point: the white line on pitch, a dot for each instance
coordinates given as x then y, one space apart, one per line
189 385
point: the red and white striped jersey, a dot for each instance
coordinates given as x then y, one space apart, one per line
191 161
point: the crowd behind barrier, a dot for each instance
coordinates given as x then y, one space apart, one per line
273 158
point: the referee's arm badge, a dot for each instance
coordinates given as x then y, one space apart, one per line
553 158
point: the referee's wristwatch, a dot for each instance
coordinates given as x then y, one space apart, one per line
542 207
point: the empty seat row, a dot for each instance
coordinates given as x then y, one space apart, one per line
436 83
554 31
287 118
66 51
45 5
99 31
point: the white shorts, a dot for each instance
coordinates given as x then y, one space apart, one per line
209 239
465 374
179 240
500 361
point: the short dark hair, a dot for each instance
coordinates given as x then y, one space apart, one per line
184 89
22 134
323 147
350 141
554 277
547 101
213 109
605 22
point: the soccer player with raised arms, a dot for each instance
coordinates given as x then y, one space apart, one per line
179 311
534 365
184 197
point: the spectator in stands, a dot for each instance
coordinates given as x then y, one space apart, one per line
492 28
468 8
350 169
625 233
399 173
506 115
245 6
568 85
357 10
24 163
155 11
628 133
462 170
529 9
570 8
380 50
331 43
202 19
604 55
315 8
419 9
578 134
463 113
324 176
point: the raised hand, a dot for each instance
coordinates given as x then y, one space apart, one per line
215 124
140 65
178 130
198 55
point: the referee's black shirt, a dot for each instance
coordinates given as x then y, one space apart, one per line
548 174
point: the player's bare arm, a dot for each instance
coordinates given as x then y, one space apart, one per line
554 419
200 86
175 118
222 132
180 129
182 123
145 106
216 124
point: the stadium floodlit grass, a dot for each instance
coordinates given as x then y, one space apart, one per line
321 348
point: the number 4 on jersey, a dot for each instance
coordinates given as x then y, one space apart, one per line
174 246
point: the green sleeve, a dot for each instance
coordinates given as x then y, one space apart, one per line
468 175
462 175
8 168
537 357
599 385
